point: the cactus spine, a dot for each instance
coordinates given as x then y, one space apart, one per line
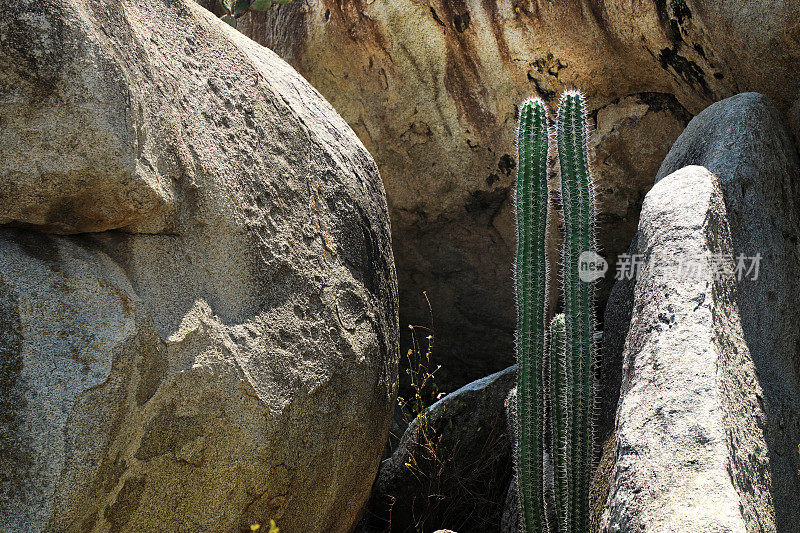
579 350
530 277
570 383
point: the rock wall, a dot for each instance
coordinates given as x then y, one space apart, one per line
198 326
431 88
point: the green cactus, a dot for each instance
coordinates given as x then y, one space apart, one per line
579 349
570 351
530 277
561 412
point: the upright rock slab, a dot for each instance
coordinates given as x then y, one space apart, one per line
198 303
432 90
689 386
742 142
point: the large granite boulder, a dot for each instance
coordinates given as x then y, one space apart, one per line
689 414
732 344
432 89
211 342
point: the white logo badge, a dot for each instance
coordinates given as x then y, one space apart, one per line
591 267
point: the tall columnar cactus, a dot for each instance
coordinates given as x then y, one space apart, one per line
579 326
570 351
530 274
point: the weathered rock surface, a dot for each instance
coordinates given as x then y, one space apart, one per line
689 418
718 139
509 521
452 466
754 332
431 88
217 344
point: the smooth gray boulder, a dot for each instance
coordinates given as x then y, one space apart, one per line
452 466
742 142
211 342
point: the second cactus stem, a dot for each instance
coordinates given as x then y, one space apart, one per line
578 392
561 413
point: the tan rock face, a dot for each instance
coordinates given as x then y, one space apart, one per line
74 156
431 88
221 349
